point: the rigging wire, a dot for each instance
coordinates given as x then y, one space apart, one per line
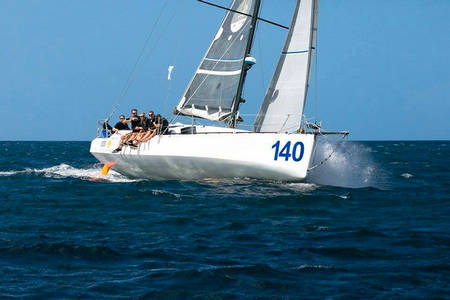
162 33
131 78
316 82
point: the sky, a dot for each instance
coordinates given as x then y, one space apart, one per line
382 69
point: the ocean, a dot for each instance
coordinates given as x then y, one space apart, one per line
372 222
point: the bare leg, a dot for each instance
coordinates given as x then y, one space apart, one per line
123 139
145 136
139 138
149 135
131 136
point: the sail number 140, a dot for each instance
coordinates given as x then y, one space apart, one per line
296 152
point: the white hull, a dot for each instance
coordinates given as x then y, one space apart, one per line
212 155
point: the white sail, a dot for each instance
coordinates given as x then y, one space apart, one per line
212 91
283 104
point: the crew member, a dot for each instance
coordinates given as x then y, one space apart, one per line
143 126
161 127
163 124
151 119
121 125
134 120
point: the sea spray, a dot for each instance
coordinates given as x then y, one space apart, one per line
346 164
66 171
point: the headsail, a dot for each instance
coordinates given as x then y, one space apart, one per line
283 105
212 91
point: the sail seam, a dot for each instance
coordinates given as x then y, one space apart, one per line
212 72
224 60
295 52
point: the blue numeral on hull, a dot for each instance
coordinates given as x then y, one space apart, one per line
286 151
297 154
277 148
294 151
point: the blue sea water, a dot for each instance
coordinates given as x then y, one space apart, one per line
373 222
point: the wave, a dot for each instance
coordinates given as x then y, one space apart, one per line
315 268
62 249
9 173
91 173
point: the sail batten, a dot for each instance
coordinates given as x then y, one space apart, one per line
216 80
283 104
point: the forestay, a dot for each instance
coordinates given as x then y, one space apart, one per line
282 108
212 91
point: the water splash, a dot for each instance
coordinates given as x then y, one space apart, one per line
66 171
350 165
8 173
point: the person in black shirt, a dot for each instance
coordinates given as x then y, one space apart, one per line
143 124
143 129
149 129
161 127
151 119
134 120
121 125
163 124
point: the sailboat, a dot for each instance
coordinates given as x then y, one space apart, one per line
276 148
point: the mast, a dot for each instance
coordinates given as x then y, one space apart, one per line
238 98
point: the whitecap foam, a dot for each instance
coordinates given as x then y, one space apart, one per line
66 171
162 192
301 187
313 267
9 173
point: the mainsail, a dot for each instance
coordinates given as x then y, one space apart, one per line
212 91
283 105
